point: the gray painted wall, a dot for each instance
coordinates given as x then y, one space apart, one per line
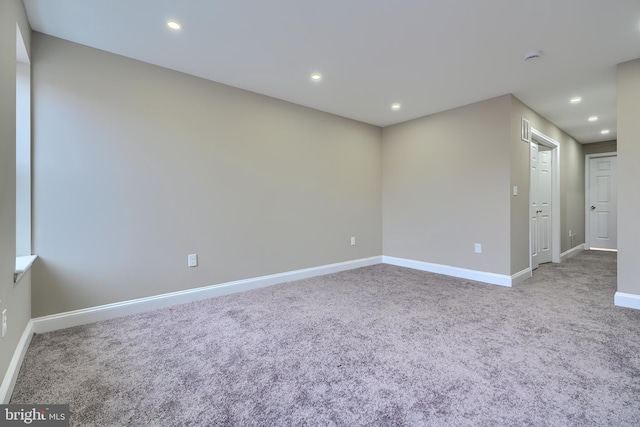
600 147
446 187
628 177
448 180
136 166
572 201
520 177
15 298
571 184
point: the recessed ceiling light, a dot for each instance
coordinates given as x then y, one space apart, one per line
605 131
316 77
593 118
395 106
174 25
576 100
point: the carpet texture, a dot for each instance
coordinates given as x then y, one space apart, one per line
379 345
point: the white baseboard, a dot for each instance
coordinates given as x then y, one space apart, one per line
463 273
111 311
521 276
10 377
627 300
571 252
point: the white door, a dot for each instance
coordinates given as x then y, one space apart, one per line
602 202
540 212
544 201
533 211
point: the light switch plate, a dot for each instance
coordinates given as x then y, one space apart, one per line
4 322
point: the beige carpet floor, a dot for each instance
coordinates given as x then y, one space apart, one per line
380 345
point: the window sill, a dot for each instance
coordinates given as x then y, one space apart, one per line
23 264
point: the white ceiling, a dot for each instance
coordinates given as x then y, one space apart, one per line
428 55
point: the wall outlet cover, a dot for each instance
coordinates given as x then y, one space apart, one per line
192 260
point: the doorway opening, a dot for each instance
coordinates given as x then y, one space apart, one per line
601 211
544 200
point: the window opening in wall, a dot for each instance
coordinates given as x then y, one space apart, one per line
23 148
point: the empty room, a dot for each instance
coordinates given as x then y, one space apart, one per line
337 213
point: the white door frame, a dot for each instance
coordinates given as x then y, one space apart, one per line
543 139
587 205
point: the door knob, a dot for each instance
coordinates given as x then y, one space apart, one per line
593 207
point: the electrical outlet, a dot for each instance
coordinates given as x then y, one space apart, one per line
192 260
353 241
570 235
478 248
4 322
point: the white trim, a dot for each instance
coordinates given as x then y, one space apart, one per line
111 311
521 276
23 264
587 210
572 252
463 273
555 193
11 376
627 300
23 148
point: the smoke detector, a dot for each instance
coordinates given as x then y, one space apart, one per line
532 55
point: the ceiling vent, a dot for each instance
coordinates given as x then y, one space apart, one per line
532 55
